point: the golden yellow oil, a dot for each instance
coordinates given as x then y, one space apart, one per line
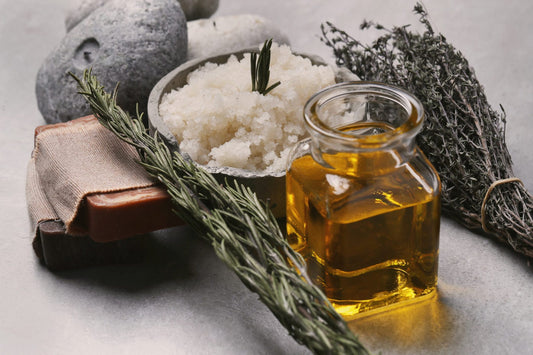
369 231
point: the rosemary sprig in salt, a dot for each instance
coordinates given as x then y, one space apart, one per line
260 69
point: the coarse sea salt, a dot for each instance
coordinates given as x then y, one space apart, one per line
219 122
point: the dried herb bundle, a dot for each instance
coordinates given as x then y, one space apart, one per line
463 137
241 229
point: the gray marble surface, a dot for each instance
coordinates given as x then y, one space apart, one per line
182 300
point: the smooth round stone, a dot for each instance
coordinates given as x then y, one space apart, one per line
193 10
77 13
210 37
131 42
197 9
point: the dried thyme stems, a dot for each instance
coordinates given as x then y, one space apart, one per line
463 137
241 229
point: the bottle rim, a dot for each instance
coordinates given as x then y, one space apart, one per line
410 127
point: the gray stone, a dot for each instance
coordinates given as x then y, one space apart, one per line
83 9
209 37
193 10
197 9
131 42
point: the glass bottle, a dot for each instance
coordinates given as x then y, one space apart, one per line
363 202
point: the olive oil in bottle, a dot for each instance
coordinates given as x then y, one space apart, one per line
366 217
367 247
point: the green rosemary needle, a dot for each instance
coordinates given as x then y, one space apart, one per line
241 229
260 69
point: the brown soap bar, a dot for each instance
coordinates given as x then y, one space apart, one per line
60 251
119 215
112 216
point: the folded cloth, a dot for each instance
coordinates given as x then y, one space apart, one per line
72 160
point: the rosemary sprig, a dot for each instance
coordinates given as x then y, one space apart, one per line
260 69
241 229
463 136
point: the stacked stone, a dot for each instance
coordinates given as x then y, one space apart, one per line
135 43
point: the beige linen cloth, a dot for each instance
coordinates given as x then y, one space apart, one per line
72 160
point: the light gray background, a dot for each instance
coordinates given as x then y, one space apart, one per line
182 300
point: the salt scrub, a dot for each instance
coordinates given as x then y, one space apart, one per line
220 122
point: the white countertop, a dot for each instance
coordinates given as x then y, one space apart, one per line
183 300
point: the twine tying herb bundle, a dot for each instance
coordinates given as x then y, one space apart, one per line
464 137
241 229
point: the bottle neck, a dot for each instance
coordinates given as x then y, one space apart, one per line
363 128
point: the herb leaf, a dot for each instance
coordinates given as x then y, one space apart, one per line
260 69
